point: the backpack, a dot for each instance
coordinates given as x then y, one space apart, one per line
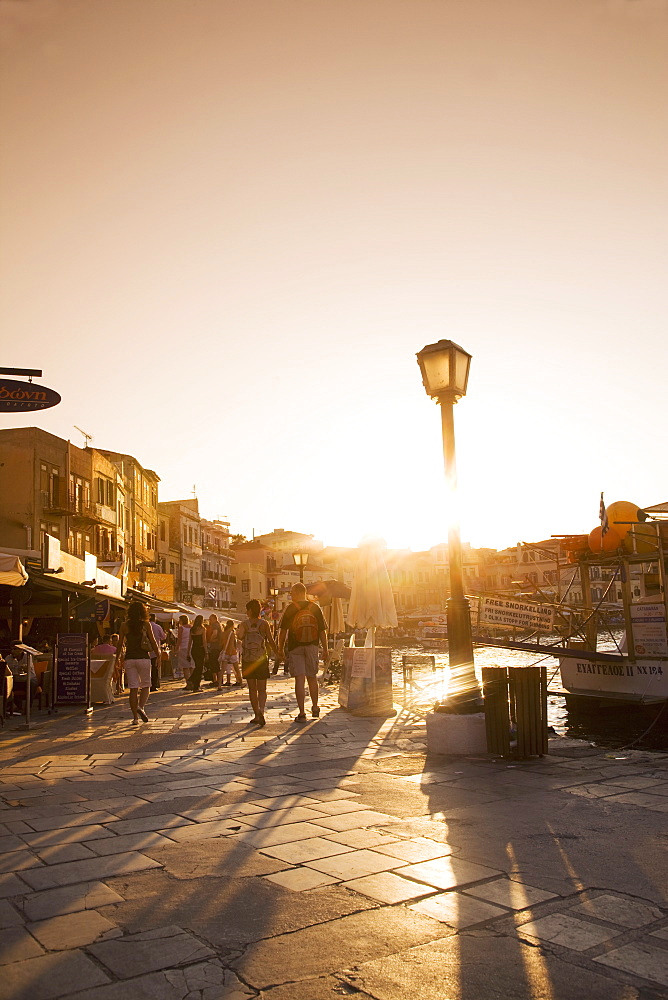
253 642
304 626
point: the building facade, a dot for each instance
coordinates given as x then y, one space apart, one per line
49 486
217 579
139 496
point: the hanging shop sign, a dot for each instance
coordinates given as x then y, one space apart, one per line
19 396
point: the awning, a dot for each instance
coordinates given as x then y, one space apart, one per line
12 571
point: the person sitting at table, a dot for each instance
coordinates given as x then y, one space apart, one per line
18 661
104 649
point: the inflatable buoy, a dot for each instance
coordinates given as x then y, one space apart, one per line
641 539
622 511
610 541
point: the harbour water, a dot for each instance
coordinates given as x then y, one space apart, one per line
613 728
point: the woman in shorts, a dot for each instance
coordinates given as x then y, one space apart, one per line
255 635
137 640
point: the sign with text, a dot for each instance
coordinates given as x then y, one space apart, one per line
72 669
19 396
362 665
508 613
649 629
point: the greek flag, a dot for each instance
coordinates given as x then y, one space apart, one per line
603 514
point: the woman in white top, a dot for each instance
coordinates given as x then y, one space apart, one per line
184 666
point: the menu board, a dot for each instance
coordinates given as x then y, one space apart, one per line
649 629
72 669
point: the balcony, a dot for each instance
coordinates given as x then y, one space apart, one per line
110 556
61 502
57 501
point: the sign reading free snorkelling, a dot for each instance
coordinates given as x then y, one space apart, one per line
19 396
507 613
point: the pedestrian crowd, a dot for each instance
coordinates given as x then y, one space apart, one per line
216 652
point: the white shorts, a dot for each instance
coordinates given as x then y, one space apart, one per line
302 661
138 673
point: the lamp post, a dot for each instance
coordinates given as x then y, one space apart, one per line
300 558
445 373
274 591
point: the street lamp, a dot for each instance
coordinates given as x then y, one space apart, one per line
445 374
300 558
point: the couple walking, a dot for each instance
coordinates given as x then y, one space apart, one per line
304 629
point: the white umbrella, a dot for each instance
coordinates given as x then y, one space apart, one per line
334 616
371 601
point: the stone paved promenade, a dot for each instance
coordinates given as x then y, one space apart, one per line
199 857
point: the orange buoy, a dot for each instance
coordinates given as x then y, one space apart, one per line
641 539
622 511
610 541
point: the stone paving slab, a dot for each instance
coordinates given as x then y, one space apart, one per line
16 945
205 980
130 842
339 944
620 910
73 930
640 959
135 954
448 872
51 976
69 899
85 871
458 910
59 837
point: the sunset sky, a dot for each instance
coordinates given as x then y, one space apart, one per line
228 227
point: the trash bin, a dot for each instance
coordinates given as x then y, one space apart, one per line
516 711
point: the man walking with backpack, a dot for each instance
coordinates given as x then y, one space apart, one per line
304 628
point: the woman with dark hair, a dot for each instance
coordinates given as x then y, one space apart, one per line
197 651
137 639
229 658
255 636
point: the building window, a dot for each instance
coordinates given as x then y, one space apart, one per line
245 586
162 531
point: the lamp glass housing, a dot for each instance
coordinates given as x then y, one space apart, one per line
445 369
300 558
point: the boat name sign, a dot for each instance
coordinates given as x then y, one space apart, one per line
508 613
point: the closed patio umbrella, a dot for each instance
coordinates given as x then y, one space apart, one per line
334 616
371 601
